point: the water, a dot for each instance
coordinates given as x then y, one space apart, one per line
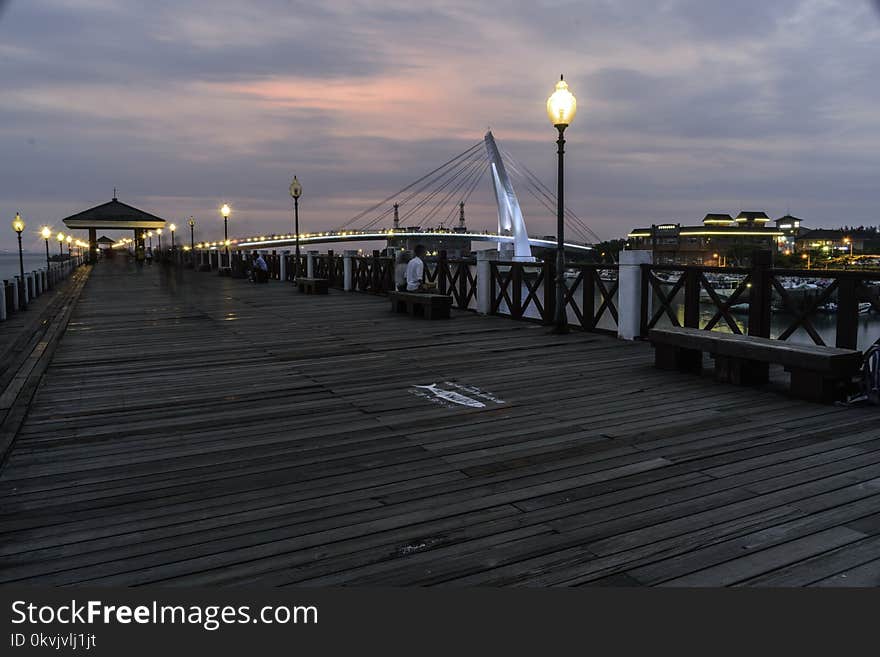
9 263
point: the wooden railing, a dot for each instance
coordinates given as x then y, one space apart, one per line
528 291
760 301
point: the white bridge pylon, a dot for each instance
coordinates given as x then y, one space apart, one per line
510 217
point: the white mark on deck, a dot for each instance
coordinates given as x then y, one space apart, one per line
440 393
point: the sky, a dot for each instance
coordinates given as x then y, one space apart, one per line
684 107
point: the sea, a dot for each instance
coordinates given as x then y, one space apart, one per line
9 263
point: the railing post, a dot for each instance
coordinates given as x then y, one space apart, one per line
761 294
282 265
633 300
691 298
15 294
347 269
310 264
549 294
442 266
484 281
2 301
588 297
847 313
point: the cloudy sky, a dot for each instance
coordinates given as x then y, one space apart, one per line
685 106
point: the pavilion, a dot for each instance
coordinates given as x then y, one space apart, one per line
113 215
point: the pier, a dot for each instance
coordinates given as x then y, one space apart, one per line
192 429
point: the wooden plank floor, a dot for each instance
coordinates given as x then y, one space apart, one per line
193 429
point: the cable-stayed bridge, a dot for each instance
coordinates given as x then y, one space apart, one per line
432 209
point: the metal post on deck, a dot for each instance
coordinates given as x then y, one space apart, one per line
629 293
310 264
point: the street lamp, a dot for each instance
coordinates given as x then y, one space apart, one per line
847 240
18 227
159 233
561 108
192 238
68 239
806 257
60 238
226 211
46 233
150 235
296 191
172 228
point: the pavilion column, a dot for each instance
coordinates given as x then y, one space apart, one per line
93 245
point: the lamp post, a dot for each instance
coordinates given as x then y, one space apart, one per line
68 239
46 233
561 108
60 238
806 257
159 234
296 191
226 211
192 234
848 240
150 235
172 228
18 227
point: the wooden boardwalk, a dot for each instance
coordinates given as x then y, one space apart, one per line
193 429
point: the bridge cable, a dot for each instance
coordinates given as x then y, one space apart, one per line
547 192
360 215
451 170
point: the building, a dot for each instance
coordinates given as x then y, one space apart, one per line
719 240
838 242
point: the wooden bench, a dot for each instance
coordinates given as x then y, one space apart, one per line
424 304
822 374
313 285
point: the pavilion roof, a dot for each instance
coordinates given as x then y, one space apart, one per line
113 214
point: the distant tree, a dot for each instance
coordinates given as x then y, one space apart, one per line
608 251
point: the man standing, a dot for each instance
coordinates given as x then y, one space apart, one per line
415 271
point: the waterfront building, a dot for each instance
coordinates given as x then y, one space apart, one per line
719 240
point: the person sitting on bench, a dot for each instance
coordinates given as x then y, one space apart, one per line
415 271
259 269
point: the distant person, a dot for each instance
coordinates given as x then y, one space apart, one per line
415 271
259 269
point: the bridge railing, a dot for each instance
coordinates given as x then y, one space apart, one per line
822 307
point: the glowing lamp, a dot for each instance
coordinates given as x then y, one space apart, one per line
60 237
562 105
225 211
46 232
18 223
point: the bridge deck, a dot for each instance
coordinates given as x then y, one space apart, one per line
193 429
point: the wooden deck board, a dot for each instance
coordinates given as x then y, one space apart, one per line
194 429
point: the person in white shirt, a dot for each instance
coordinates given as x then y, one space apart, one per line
415 271
259 269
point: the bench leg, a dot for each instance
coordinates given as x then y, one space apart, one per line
741 371
812 386
668 357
